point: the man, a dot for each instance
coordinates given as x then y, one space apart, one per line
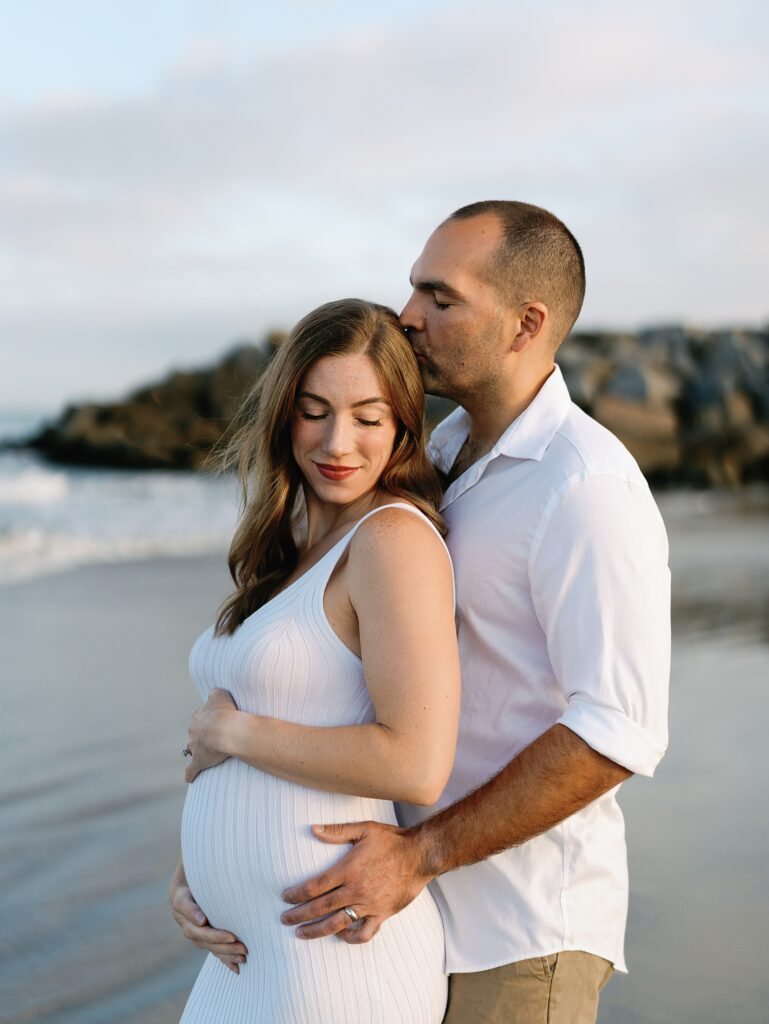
563 616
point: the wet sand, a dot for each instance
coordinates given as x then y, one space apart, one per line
96 700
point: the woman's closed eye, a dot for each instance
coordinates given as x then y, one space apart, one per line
316 417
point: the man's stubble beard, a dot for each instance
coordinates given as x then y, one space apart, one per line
459 390
433 385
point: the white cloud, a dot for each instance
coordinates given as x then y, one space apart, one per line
235 187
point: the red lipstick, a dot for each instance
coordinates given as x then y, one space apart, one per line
336 472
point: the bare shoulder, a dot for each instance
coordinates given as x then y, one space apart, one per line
397 537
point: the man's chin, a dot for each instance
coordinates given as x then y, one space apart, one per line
432 384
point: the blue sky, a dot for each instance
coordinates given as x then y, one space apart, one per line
175 176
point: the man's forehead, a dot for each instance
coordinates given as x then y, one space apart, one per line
457 248
483 227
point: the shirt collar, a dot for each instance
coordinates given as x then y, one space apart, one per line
527 437
447 438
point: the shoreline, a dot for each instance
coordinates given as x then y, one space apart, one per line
719 558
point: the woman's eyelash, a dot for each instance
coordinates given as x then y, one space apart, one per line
321 416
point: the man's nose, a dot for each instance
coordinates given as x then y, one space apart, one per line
411 317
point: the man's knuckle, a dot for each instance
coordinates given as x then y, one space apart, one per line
327 904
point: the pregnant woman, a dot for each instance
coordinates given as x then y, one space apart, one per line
330 679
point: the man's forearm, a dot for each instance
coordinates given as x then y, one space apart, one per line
553 778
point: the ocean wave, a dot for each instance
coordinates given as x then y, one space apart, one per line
52 519
33 486
31 553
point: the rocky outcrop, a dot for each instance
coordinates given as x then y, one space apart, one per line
172 424
692 406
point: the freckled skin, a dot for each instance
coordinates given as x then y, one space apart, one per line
339 432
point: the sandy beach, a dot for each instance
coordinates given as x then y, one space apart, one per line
96 700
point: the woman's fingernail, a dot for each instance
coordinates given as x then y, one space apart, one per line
199 919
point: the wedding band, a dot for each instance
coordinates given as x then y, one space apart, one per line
351 914
187 752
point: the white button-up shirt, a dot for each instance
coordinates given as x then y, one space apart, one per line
563 606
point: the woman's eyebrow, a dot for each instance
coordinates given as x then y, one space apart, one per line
325 401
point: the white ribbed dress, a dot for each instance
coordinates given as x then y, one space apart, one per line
246 836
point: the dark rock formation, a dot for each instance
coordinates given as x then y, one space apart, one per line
172 424
692 406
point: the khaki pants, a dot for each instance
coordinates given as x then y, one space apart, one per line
559 989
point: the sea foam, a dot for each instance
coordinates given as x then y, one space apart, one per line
55 518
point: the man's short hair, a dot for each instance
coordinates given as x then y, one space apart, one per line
537 259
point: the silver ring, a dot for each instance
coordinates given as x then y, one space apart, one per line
187 752
351 914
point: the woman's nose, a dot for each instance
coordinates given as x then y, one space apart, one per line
338 440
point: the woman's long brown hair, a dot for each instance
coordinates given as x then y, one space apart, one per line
263 552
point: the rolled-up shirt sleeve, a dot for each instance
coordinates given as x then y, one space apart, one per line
601 588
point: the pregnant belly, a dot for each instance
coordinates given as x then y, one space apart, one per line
246 837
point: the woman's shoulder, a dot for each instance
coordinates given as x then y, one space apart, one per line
397 530
397 515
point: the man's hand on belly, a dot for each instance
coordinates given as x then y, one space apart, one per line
553 778
381 875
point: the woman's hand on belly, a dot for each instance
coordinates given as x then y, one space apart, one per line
205 732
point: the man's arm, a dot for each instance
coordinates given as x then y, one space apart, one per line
601 590
553 778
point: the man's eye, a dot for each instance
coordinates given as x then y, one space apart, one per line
440 305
